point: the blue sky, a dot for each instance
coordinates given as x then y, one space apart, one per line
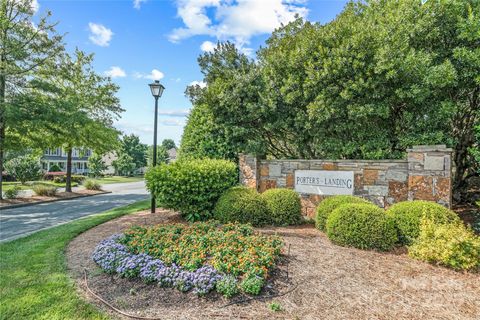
136 41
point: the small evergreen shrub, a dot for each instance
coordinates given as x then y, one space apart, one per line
12 193
363 226
451 245
284 205
44 190
408 214
227 286
76 178
244 205
252 284
91 184
191 186
331 203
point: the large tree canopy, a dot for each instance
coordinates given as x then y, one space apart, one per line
381 77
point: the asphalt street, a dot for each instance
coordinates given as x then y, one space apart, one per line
19 222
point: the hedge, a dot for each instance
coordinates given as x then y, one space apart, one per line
244 205
363 226
408 215
331 203
284 205
191 186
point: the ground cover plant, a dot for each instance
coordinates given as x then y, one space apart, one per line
34 283
191 186
193 257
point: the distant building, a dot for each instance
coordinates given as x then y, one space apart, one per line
58 156
172 155
108 160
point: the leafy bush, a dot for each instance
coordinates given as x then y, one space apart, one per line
44 190
451 245
244 205
24 168
408 214
91 184
362 225
63 178
54 168
191 186
52 175
252 284
331 203
227 286
12 193
284 205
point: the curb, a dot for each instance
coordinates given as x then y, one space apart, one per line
20 205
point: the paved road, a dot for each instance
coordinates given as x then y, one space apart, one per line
19 222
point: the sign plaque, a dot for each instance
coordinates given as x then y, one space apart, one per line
324 182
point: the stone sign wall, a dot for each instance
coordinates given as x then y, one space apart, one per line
424 175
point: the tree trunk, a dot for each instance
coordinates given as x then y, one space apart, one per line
2 129
68 180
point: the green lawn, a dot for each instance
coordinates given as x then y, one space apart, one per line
33 280
118 179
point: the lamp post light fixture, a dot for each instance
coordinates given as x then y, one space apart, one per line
157 89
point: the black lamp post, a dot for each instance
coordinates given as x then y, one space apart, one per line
157 89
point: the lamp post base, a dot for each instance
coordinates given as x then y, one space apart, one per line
152 206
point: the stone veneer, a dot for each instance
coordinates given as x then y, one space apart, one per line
424 175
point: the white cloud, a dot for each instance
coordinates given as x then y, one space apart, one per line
207 46
198 83
100 35
138 3
115 72
154 75
172 122
234 20
174 113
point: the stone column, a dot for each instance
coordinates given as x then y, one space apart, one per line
429 174
249 170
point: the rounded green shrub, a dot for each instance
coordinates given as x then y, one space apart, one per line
363 226
191 186
91 184
331 203
227 286
252 284
284 205
244 205
408 215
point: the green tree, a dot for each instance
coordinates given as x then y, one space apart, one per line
96 165
24 47
85 106
131 145
168 144
162 155
24 168
124 165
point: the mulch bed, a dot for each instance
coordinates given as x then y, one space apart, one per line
333 282
5 203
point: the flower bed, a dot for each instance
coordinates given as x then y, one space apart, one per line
192 257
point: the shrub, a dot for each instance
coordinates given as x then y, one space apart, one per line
191 186
24 168
363 226
54 168
331 203
252 284
12 193
52 175
227 286
244 205
284 205
91 184
451 245
75 178
44 190
408 214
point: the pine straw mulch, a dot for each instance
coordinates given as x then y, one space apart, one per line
333 283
